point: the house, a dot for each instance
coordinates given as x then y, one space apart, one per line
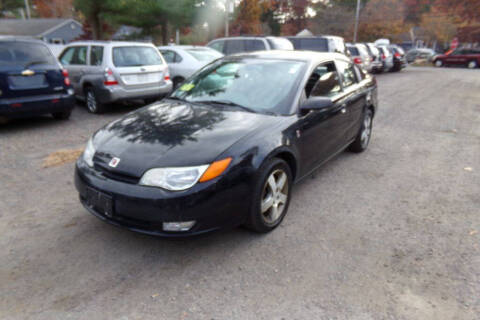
58 31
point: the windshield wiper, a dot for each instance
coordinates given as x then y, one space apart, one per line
227 103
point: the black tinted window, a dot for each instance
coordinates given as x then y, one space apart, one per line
25 54
96 55
234 46
323 82
218 45
254 45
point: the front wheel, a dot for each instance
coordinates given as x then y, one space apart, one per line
438 63
363 137
271 196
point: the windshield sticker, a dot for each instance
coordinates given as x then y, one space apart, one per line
187 87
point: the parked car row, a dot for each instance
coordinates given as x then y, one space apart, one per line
378 58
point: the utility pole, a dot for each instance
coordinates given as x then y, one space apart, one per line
27 7
227 16
357 16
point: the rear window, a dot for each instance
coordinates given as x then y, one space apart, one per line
254 45
314 44
204 54
25 54
136 56
353 51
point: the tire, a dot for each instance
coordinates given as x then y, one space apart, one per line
472 64
63 115
177 81
363 137
438 63
270 202
91 101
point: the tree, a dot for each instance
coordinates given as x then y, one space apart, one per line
248 18
54 8
96 12
438 26
10 5
381 19
466 9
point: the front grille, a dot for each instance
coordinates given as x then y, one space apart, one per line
116 175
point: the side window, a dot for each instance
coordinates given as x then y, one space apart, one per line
67 56
178 58
168 55
218 45
254 45
234 46
323 82
347 73
96 55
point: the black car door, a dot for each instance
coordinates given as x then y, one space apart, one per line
355 97
321 133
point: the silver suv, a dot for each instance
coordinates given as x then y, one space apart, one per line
110 71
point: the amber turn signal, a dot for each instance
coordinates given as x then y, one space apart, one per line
215 169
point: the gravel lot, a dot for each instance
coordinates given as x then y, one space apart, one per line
392 233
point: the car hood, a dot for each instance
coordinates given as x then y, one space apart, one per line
173 134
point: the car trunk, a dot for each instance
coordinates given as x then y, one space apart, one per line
18 82
138 66
28 69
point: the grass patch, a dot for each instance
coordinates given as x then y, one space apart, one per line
61 157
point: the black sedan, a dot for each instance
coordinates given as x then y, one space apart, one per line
226 148
32 81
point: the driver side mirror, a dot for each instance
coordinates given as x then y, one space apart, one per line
316 103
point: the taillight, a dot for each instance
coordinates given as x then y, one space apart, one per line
397 55
66 79
167 75
383 56
109 78
357 60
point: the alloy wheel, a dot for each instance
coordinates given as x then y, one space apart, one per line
274 197
367 130
438 63
472 65
91 102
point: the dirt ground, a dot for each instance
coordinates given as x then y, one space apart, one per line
393 233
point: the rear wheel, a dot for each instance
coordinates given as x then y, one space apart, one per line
93 105
271 196
63 115
363 137
438 63
472 64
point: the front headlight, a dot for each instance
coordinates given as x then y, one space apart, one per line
183 178
89 153
174 179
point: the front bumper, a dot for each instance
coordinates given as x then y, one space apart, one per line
118 93
22 107
220 203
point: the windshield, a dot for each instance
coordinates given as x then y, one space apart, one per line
204 55
25 54
262 85
136 56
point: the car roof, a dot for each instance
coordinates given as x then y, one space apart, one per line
245 37
184 47
113 43
307 56
21 39
315 37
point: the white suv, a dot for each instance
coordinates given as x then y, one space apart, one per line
103 72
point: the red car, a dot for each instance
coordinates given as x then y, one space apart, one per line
459 57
